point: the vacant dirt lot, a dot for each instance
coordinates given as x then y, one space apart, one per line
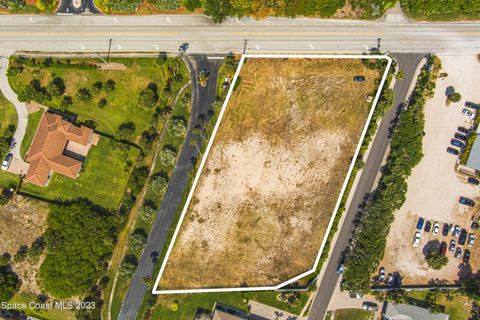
434 186
274 174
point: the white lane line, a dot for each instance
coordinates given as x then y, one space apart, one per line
31 20
311 46
119 47
82 47
168 20
115 20
156 46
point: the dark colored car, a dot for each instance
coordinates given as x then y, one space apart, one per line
474 225
460 136
456 143
463 237
466 256
467 202
420 223
359 78
473 181
470 104
443 248
453 151
458 253
462 130
428 226
445 229
398 281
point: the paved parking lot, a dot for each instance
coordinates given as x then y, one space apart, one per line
435 186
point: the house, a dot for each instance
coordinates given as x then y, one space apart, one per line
410 312
58 146
223 312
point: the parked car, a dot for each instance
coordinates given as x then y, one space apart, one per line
398 281
6 162
428 226
456 143
467 201
359 78
458 253
367 305
445 229
451 228
453 151
416 239
340 267
443 248
474 225
436 228
420 223
463 237
456 232
470 104
471 239
390 280
460 136
473 181
466 256
462 130
468 113
381 275
452 245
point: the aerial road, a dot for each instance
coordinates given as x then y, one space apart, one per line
167 33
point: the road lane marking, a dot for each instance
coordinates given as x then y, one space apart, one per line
306 33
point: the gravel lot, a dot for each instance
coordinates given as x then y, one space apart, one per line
435 186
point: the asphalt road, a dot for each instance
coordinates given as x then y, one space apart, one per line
86 7
407 62
168 32
202 99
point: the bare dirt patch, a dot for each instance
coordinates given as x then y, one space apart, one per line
435 186
273 175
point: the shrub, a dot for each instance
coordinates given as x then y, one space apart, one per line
3 196
21 254
35 92
102 103
158 184
97 86
56 87
9 283
174 306
167 157
123 5
109 85
168 5
177 127
148 211
126 130
138 239
14 4
66 102
84 94
129 264
435 260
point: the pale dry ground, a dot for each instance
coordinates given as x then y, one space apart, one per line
273 175
434 186
22 222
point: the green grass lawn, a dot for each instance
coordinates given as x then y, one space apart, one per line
459 308
122 103
8 114
103 178
52 314
353 314
8 179
33 120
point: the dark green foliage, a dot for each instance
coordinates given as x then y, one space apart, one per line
84 94
126 130
21 254
169 5
219 10
79 242
435 260
13 4
373 8
123 5
148 211
9 283
148 137
177 127
138 239
35 92
36 249
56 87
191 5
102 103
434 8
167 157
109 85
97 87
159 184
405 154
5 141
138 179
471 287
66 102
129 264
148 97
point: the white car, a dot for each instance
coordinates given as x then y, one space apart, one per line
416 239
6 162
456 232
468 113
436 228
471 239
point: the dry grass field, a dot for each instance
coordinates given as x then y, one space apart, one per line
273 175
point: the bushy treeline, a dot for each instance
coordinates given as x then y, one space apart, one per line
430 8
405 154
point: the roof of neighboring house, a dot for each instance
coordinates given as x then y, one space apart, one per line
411 312
46 151
224 312
474 156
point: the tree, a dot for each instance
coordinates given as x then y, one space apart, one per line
126 130
102 103
14 4
158 184
138 239
168 5
148 97
56 87
66 102
84 94
129 264
127 6
21 254
137 181
109 85
455 97
9 283
191 5
79 241
167 157
400 74
148 211
177 127
218 9
4 199
148 137
37 248
435 260
35 92
97 86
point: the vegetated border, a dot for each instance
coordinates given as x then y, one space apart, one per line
210 143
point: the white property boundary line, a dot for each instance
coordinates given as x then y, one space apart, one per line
210 143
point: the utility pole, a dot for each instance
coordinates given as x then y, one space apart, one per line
378 43
244 45
109 48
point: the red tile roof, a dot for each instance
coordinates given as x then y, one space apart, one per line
46 151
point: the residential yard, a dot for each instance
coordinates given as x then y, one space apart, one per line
8 114
290 129
33 120
102 180
122 103
458 307
353 314
435 186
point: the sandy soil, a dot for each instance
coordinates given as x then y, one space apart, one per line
273 176
435 186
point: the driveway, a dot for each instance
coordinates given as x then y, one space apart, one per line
77 7
19 106
202 99
408 63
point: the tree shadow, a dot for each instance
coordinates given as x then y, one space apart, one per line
431 245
